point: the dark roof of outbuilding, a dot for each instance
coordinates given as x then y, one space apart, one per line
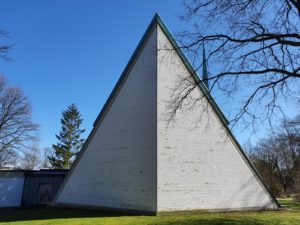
41 171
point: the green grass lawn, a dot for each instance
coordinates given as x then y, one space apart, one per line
76 216
289 203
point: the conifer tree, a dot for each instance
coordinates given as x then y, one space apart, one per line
69 140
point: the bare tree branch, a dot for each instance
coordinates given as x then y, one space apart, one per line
253 52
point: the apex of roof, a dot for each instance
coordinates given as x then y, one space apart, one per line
157 20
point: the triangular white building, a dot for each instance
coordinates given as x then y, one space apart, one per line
133 161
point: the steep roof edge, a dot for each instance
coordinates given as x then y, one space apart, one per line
106 106
218 111
190 68
127 68
157 19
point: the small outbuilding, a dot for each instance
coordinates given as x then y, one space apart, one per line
41 186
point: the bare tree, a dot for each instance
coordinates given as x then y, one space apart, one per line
8 157
253 52
31 158
278 158
291 135
17 131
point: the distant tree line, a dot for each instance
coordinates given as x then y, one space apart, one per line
277 158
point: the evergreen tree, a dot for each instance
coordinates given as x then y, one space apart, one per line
69 141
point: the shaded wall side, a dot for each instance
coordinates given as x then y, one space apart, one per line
199 165
118 167
32 185
11 188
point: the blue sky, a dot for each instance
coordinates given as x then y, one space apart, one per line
74 52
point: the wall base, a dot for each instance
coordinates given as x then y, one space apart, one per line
121 211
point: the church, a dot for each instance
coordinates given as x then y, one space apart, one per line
135 160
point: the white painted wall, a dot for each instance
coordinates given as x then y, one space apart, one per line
199 167
118 168
11 188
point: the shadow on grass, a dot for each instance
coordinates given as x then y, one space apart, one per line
44 213
31 214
